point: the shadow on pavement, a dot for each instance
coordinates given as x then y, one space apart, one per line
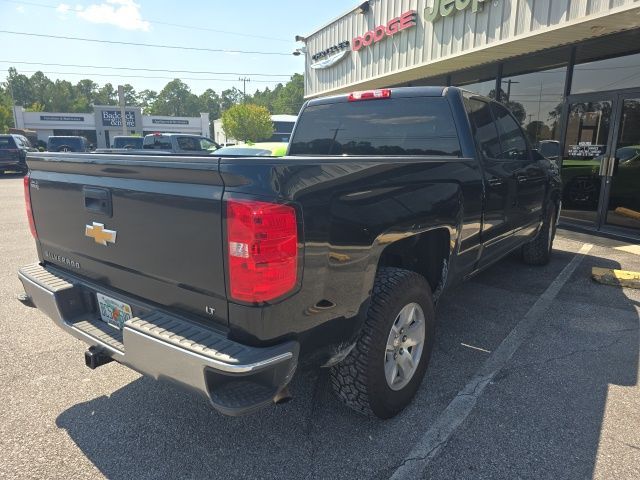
548 403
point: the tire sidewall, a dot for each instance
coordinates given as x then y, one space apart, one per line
384 401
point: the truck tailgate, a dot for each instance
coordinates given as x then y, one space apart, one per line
148 226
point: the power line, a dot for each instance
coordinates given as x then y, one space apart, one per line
152 45
144 69
158 22
144 76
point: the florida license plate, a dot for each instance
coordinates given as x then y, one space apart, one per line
112 311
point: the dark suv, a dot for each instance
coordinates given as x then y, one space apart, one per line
13 152
67 144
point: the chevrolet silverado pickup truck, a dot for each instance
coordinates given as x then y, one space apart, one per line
229 275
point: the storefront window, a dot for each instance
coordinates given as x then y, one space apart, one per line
535 99
487 89
609 74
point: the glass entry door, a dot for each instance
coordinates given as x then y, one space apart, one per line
601 161
622 180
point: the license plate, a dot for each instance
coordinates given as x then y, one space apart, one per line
112 311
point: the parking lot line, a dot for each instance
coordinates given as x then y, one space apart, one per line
439 433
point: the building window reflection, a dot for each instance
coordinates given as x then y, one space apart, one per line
610 74
536 99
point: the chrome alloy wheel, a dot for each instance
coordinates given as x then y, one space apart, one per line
404 346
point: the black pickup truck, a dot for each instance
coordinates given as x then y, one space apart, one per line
227 275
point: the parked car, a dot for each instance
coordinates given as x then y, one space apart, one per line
230 276
263 149
13 152
179 143
68 144
121 141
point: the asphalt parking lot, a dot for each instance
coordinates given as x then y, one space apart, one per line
564 402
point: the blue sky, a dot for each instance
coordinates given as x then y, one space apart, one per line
139 21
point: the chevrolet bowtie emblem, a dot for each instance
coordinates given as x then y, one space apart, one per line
100 234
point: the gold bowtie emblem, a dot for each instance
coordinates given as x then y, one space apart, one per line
100 234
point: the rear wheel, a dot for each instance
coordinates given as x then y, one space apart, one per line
384 370
538 251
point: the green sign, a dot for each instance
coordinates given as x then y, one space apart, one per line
444 8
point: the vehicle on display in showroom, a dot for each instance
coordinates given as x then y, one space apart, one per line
582 181
228 275
13 153
263 149
68 143
179 143
129 142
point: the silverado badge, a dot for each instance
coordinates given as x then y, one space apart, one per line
100 234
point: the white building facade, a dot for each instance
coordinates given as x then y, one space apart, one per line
105 122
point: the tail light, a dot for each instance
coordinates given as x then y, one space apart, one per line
370 95
263 250
27 199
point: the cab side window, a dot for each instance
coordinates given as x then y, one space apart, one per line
514 143
484 128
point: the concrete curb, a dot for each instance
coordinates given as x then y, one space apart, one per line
616 278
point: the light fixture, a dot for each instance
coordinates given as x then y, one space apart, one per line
362 8
300 51
300 38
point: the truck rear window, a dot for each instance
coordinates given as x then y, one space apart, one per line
396 126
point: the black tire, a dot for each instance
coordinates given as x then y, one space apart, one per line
359 380
538 251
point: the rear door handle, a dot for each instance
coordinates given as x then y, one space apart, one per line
98 200
495 181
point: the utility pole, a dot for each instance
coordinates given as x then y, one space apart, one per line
123 112
244 81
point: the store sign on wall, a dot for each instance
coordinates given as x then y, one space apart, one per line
330 56
444 8
164 121
60 118
407 20
113 118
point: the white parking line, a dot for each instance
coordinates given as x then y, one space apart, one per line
430 444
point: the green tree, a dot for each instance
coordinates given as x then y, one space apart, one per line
19 88
290 97
146 99
6 115
106 95
229 98
247 122
176 99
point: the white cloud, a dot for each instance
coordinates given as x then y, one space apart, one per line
20 9
123 14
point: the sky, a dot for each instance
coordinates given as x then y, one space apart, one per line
250 25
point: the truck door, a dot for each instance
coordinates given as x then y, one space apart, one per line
529 174
500 184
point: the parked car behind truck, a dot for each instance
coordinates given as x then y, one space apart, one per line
229 275
13 153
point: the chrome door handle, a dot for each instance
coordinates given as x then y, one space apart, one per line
612 166
604 166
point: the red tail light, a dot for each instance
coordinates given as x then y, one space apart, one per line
370 95
27 199
263 250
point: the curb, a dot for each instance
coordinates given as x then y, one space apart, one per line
616 278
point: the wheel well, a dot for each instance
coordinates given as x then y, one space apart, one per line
425 253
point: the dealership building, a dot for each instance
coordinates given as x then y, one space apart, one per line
568 69
105 122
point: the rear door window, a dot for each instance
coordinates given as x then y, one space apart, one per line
395 126
484 128
514 144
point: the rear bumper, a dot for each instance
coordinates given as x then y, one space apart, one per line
237 379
